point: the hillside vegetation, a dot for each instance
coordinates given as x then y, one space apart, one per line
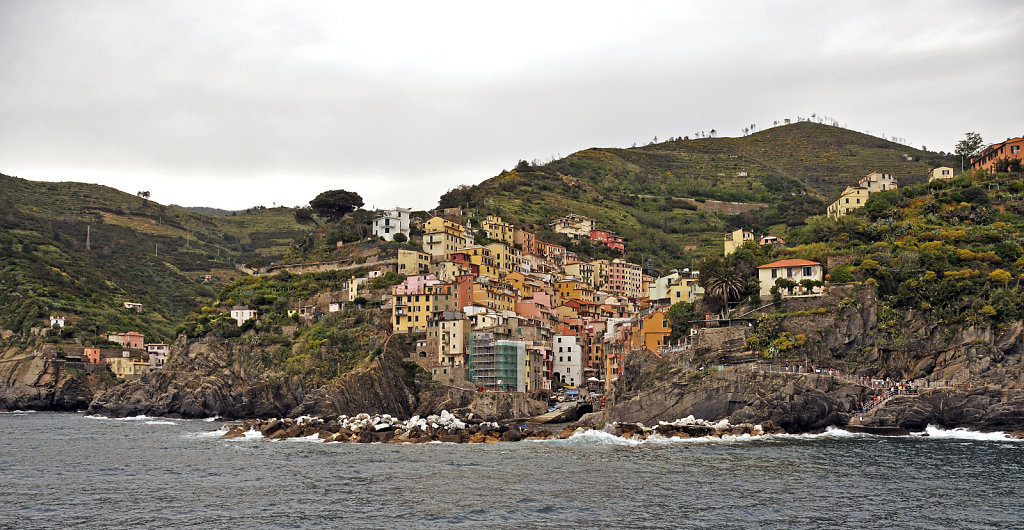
660 197
139 251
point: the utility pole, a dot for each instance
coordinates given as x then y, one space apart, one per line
158 249
88 236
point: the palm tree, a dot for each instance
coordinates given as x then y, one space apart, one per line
724 283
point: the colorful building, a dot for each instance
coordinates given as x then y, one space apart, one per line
736 239
573 225
608 238
527 241
991 155
413 262
877 181
131 339
497 230
442 237
795 270
940 173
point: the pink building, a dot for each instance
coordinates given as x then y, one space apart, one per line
416 284
132 339
625 278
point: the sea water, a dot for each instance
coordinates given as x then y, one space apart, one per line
69 470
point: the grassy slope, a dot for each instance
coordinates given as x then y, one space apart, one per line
615 186
141 251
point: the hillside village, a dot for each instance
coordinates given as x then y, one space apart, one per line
515 313
483 301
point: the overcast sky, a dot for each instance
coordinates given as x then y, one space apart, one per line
234 104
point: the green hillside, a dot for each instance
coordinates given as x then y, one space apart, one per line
139 251
660 197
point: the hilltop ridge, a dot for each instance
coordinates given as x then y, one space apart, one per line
660 197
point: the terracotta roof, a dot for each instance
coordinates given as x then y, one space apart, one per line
789 263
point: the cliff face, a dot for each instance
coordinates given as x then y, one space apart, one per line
216 377
31 379
796 404
986 368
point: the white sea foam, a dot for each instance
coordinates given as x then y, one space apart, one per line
140 417
211 434
964 434
310 438
19 412
211 419
160 422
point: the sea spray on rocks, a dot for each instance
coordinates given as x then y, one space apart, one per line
448 428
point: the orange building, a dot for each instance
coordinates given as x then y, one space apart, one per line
652 333
987 159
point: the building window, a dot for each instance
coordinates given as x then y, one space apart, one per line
807 271
775 273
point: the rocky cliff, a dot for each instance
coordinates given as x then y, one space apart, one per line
216 377
984 366
33 378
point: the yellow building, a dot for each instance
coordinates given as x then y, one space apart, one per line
519 282
736 239
442 237
447 271
941 173
483 258
572 288
497 229
852 198
412 262
126 367
506 257
410 312
600 274
495 295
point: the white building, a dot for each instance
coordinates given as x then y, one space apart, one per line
242 313
877 181
56 321
790 269
391 222
568 360
157 355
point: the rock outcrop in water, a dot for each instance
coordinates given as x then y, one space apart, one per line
448 428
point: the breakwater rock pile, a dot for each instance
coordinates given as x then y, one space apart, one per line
447 428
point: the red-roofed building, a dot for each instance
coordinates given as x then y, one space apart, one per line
795 270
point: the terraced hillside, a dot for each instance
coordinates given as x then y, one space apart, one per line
138 251
659 197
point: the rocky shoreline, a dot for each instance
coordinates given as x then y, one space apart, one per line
447 428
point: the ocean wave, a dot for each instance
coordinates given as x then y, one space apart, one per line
160 422
140 417
961 433
311 438
19 412
830 432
